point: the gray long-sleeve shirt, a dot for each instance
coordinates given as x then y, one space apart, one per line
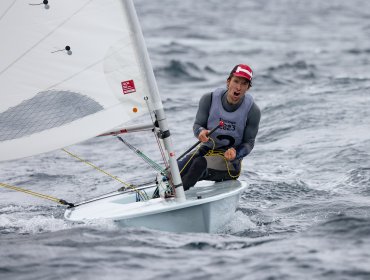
251 126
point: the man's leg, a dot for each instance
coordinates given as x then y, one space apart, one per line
221 175
196 170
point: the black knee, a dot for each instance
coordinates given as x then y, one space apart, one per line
194 173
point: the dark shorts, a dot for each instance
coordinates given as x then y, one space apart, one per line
219 176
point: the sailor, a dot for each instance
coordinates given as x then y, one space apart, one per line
220 154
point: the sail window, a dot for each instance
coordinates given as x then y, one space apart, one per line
44 111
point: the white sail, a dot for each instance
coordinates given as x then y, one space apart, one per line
52 96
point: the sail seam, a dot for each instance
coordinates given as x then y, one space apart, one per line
7 10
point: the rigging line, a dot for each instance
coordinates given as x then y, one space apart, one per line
7 10
113 194
146 98
152 163
151 112
102 171
161 150
40 195
45 37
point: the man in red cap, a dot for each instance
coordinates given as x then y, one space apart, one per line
220 155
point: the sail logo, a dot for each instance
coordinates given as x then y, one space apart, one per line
128 87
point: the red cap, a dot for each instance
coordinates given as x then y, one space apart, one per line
242 70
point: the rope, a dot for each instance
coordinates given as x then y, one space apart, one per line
57 200
214 152
166 164
153 118
143 194
186 164
221 154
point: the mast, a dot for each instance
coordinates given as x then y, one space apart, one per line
154 93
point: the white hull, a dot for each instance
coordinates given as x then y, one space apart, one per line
209 206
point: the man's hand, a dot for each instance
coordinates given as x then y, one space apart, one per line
203 136
230 154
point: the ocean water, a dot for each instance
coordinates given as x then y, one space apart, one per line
306 212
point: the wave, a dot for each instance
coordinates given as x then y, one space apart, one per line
184 71
290 73
350 80
175 48
297 65
225 245
19 223
356 181
276 191
344 227
358 51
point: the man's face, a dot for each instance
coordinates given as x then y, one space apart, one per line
237 87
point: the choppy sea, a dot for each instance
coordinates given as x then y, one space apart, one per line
306 212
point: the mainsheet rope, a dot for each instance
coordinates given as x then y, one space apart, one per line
214 152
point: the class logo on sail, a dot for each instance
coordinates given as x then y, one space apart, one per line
128 87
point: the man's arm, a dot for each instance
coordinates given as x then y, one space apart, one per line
201 118
250 132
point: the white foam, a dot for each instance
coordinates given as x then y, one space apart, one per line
239 223
32 225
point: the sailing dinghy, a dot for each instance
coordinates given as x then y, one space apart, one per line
73 70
